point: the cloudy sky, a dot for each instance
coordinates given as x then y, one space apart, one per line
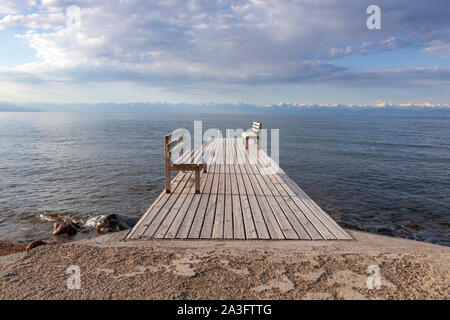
254 51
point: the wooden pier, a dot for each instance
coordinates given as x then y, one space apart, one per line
243 195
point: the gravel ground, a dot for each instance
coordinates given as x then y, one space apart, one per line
7 247
229 269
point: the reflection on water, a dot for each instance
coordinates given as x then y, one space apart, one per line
388 175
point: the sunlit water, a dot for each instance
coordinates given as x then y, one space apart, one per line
387 175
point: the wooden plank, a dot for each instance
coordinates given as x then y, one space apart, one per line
167 163
219 216
245 195
218 228
287 204
204 201
228 205
257 215
208 221
157 220
205 188
208 150
185 157
322 215
188 157
176 148
279 212
300 216
181 225
318 225
182 213
267 214
175 142
186 167
134 234
249 224
236 199
327 221
143 223
342 232
167 221
191 211
322 229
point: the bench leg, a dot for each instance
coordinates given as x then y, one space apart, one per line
246 142
167 177
197 181
204 168
167 180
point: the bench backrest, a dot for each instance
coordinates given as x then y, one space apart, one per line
256 126
172 145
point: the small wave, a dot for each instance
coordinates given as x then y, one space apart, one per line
101 223
55 217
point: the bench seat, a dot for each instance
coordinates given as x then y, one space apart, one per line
256 127
192 160
249 134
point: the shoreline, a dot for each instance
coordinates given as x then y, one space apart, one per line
223 269
8 247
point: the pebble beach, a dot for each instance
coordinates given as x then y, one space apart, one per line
115 269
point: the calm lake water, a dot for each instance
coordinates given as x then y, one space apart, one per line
387 175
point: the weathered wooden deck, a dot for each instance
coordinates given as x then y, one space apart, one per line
244 195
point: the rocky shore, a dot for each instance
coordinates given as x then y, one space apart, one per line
194 269
69 229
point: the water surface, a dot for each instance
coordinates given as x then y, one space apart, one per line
383 174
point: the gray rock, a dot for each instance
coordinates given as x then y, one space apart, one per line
115 222
103 224
65 227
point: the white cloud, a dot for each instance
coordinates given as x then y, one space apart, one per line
391 43
8 7
439 48
15 7
177 42
50 21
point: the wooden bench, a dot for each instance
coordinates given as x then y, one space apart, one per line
256 126
192 160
